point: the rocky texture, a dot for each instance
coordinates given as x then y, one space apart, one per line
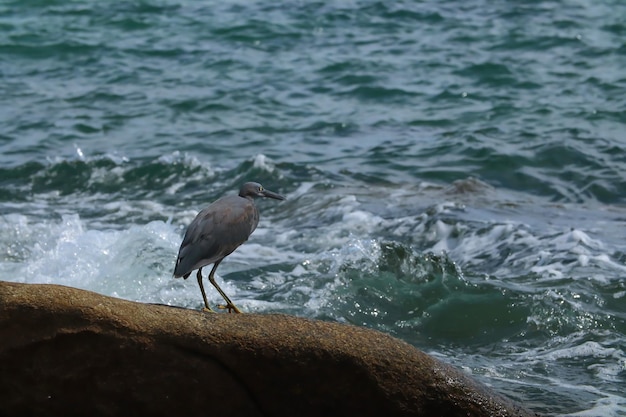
66 352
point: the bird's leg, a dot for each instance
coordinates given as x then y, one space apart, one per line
206 303
229 304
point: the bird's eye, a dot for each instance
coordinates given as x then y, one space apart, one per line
260 188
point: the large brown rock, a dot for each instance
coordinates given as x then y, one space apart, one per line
65 351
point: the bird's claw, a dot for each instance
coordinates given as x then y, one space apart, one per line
229 307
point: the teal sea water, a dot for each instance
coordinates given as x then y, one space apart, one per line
455 172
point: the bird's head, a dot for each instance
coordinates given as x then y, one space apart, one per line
254 189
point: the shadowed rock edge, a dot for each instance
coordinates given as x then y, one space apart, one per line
65 351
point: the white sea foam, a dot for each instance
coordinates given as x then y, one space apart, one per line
359 220
549 257
605 363
261 161
135 263
607 405
302 189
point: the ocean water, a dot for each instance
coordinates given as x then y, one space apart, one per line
455 172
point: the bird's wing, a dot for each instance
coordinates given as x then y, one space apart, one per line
215 233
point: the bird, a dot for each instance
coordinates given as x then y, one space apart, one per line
216 232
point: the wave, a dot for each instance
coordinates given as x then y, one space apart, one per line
113 189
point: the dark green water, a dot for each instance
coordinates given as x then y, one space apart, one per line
455 171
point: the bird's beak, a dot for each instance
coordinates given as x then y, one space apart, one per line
271 194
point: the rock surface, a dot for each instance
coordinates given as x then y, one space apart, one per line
65 351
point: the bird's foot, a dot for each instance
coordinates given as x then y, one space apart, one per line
229 307
208 310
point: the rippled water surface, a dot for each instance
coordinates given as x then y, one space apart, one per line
455 172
